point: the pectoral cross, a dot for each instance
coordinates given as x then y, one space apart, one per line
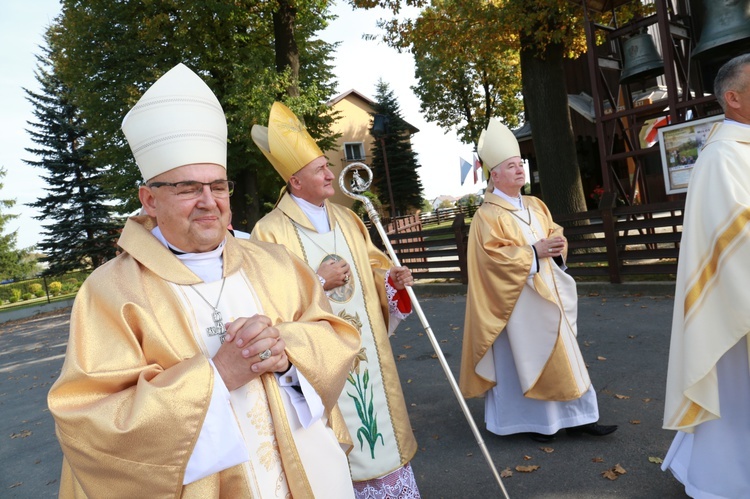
218 328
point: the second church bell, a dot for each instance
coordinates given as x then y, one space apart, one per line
641 59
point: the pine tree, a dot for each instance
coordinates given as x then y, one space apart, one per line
405 185
79 231
14 262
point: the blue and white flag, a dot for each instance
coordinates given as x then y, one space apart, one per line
465 168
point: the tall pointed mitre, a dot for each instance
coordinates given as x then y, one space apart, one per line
178 121
496 144
285 142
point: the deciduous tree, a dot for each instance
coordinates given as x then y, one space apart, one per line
543 32
109 53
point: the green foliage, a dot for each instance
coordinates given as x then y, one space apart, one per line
15 295
79 231
466 74
15 263
359 208
27 296
55 288
401 160
109 53
455 42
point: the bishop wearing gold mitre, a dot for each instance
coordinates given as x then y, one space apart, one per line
362 287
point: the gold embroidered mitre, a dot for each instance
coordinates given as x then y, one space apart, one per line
496 144
176 122
285 142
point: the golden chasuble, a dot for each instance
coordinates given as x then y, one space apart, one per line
135 385
363 302
537 313
712 275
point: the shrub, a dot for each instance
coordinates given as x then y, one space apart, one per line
55 288
70 285
15 295
36 289
27 296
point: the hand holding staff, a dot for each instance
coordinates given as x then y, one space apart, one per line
359 185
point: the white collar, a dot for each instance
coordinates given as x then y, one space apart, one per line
517 201
736 123
207 265
318 215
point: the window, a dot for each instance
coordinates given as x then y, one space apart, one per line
355 151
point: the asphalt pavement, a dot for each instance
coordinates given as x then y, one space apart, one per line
624 336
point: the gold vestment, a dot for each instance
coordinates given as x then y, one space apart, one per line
371 266
134 389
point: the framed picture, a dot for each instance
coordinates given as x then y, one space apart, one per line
680 145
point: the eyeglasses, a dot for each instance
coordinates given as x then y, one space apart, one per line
192 189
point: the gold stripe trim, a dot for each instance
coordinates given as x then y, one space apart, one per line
708 270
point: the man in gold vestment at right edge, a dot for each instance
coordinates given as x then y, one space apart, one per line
198 365
520 349
708 378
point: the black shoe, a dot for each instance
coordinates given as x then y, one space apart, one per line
541 437
594 429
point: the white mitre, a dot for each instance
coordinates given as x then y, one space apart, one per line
496 144
178 121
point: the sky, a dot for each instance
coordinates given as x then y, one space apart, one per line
358 65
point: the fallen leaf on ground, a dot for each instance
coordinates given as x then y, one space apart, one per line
434 356
631 336
17 484
401 357
406 347
647 400
614 472
506 473
548 450
609 474
455 328
635 421
601 358
443 341
527 458
527 469
23 434
597 460
622 397
656 460
626 304
408 381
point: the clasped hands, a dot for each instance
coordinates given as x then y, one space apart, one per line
550 247
238 359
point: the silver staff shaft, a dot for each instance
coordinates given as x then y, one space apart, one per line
360 185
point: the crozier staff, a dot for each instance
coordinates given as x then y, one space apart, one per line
362 286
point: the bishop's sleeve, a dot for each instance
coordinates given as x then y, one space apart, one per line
132 395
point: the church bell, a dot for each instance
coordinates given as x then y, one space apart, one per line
641 59
726 25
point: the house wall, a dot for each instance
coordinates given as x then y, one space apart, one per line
353 125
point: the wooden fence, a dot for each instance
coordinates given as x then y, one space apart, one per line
610 243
